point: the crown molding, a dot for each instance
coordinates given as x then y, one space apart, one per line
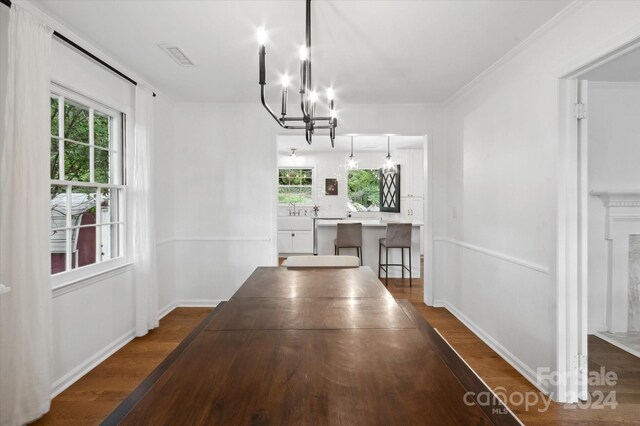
513 52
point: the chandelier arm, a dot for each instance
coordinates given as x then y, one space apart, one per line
264 104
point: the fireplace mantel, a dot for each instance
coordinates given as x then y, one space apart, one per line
618 198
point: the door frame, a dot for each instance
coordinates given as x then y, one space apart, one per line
427 200
571 254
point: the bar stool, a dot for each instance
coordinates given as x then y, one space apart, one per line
348 235
398 236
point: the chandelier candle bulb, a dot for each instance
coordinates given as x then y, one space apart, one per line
262 36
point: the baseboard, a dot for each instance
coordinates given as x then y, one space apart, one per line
74 375
197 303
617 344
513 360
166 310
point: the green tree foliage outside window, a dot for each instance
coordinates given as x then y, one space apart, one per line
77 158
364 189
295 186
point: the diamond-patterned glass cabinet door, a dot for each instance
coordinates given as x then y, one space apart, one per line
390 191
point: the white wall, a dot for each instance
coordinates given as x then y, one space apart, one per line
613 153
92 317
225 177
502 157
4 30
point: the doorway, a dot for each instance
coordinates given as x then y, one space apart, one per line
323 165
599 218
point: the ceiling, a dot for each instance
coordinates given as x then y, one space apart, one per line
372 52
361 143
625 68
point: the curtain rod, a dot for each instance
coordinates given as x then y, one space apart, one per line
86 52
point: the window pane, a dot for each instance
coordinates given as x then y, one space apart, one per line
58 236
101 127
101 166
54 116
83 240
305 196
76 162
364 190
109 248
76 122
54 159
283 195
109 206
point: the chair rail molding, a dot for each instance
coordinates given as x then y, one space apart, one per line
505 257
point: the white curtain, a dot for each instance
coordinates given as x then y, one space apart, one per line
143 224
25 260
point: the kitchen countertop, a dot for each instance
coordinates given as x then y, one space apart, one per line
366 222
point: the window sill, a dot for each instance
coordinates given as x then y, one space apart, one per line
77 283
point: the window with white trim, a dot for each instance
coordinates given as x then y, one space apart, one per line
87 183
295 185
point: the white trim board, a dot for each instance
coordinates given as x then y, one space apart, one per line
616 344
513 360
511 259
77 373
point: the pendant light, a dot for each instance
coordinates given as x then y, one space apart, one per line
352 164
389 165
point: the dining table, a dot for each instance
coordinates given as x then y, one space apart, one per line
312 346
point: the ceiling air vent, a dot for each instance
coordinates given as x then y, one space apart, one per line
177 55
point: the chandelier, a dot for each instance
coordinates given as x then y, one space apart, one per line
310 121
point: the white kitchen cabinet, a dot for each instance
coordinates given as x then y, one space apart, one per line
411 172
295 242
412 208
284 241
302 242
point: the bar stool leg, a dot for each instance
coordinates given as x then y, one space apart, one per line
402 251
379 259
386 267
410 273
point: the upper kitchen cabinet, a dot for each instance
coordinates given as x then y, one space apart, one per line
412 172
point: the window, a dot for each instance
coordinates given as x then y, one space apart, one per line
364 190
87 190
295 185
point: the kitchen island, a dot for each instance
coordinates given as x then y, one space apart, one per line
372 230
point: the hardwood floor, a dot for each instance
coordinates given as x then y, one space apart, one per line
505 380
93 397
89 400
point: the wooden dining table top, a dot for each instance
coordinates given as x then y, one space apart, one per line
311 347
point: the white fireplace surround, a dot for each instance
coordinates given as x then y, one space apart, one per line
622 222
